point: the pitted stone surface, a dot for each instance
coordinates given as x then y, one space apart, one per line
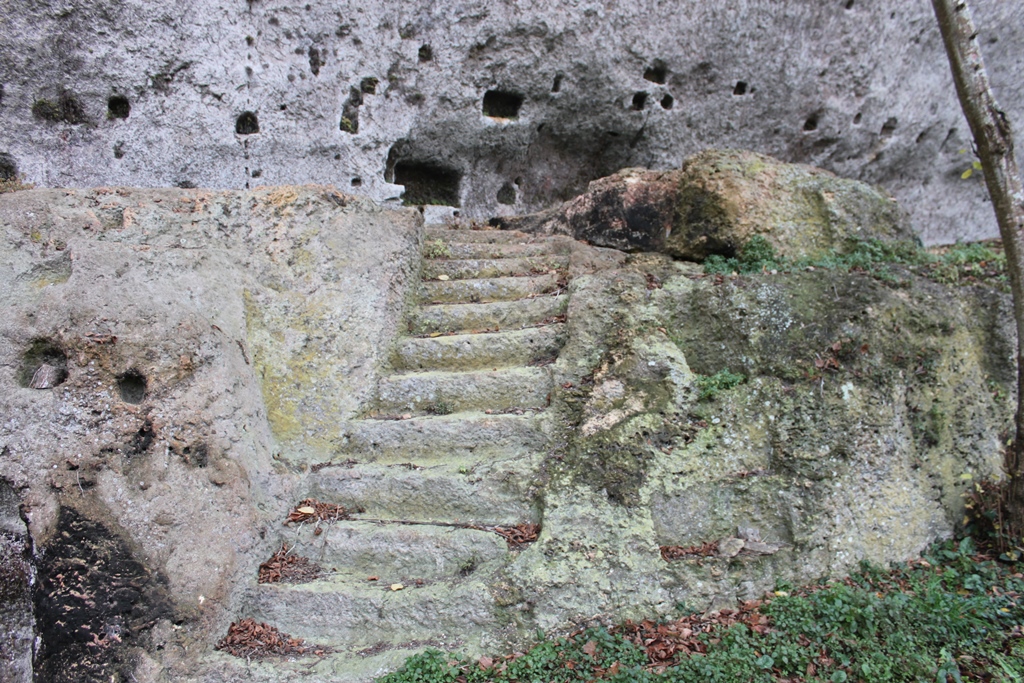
506 108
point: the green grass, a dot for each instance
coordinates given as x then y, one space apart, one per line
955 615
957 264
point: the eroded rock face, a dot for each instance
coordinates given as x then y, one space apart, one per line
717 202
182 333
214 358
867 409
504 108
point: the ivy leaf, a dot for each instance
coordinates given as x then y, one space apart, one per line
967 174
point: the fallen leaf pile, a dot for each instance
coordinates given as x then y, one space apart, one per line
518 535
666 643
285 568
251 639
676 552
312 510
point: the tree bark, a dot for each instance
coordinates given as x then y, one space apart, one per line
993 138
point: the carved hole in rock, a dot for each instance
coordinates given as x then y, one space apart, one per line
349 119
656 72
812 122
247 124
257 173
427 183
667 101
8 167
426 53
639 100
44 365
889 127
315 60
507 194
186 184
849 4
132 386
557 85
369 85
118 107
740 89
65 108
357 181
857 119
502 104
250 41
119 149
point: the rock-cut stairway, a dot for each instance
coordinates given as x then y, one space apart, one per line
453 440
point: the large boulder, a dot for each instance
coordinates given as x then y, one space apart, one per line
727 197
717 201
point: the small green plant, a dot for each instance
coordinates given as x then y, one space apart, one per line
437 249
957 264
440 408
755 256
348 125
708 386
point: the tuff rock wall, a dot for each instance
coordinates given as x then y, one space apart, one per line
502 107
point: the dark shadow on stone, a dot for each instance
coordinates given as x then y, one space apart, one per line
8 167
94 601
657 72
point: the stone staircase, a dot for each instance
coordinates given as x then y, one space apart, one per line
450 449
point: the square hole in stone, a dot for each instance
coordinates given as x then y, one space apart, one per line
502 104
428 183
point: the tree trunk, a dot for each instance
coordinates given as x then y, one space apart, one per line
994 141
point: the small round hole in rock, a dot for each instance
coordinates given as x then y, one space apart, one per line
849 4
889 127
426 53
639 100
857 119
356 182
811 123
247 124
132 386
44 365
502 104
118 107
667 101
740 89
557 85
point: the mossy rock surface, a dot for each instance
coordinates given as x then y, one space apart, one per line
717 201
728 196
